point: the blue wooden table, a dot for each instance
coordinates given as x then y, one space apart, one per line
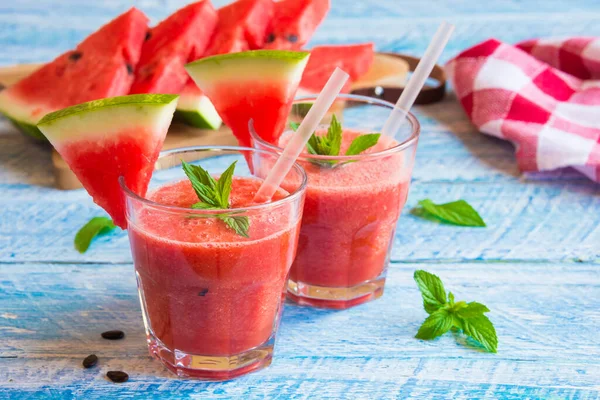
536 266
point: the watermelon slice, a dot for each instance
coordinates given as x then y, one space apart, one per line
355 59
195 109
242 26
100 66
180 38
294 23
105 139
255 85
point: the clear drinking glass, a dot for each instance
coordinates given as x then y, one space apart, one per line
352 205
211 298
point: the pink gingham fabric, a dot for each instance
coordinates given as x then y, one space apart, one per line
543 95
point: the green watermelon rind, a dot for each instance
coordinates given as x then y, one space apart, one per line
28 129
292 57
197 111
196 120
139 99
272 64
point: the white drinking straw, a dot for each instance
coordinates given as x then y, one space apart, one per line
295 146
417 81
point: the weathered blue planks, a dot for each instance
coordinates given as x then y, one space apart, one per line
536 266
545 316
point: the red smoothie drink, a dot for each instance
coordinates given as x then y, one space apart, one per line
351 210
350 216
211 298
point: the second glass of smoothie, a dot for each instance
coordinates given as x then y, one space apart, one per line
211 298
352 204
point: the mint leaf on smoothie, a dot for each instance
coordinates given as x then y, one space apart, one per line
362 143
446 314
214 195
331 143
94 227
456 213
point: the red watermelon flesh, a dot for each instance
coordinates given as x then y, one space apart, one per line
355 59
255 85
242 26
106 139
294 23
100 66
180 38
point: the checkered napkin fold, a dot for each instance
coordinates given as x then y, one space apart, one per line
543 95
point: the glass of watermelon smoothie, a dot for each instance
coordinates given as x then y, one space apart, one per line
352 204
211 297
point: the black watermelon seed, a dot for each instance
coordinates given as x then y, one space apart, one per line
129 69
2 87
292 38
270 38
148 36
90 361
113 335
203 292
76 55
117 376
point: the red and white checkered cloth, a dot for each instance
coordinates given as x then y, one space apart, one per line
543 95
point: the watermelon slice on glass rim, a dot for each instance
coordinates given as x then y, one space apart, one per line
101 66
103 140
255 85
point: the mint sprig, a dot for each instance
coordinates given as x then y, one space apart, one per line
331 143
214 195
446 314
456 213
95 227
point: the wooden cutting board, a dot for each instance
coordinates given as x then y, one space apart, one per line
386 71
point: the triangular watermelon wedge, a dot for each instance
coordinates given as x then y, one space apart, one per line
255 85
105 139
101 66
180 38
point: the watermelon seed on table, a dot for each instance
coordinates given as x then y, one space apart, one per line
117 376
90 361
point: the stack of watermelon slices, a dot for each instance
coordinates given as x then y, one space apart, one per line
125 57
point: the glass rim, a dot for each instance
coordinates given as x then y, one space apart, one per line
412 139
224 150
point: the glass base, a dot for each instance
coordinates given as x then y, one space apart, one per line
335 297
211 368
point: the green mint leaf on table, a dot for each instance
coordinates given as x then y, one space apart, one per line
432 291
447 314
214 195
93 228
457 213
481 329
438 323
